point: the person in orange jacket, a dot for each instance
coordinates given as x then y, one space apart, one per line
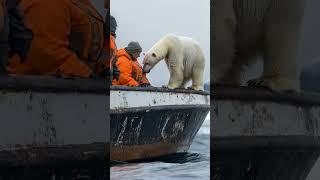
68 38
130 70
109 63
113 49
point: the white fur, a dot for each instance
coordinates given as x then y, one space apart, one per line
246 29
184 59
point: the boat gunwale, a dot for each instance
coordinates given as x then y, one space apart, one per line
149 108
20 83
244 93
157 89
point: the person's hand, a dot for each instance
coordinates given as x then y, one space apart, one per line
145 85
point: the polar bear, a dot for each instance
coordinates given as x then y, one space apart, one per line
184 58
244 30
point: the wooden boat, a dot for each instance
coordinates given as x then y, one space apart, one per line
259 134
151 122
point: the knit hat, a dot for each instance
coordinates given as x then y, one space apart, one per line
133 47
113 25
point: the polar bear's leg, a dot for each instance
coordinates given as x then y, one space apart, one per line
176 78
282 34
197 76
224 24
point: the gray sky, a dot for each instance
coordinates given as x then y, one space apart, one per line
147 21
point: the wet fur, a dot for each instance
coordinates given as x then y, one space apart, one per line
184 59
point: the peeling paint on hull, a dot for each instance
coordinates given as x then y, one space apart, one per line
262 135
152 130
50 120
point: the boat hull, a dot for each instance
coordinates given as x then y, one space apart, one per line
259 134
50 122
162 123
137 134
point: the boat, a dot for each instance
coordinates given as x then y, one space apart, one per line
150 122
260 134
52 122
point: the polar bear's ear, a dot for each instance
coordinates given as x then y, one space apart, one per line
154 55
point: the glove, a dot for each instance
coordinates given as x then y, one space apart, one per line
145 85
115 73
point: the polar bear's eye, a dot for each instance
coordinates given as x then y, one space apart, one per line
154 55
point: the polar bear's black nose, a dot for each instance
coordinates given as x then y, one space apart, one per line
145 69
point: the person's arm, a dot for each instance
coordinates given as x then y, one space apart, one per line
125 77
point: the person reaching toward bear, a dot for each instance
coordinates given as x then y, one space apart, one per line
130 70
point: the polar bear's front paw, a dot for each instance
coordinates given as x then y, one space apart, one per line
274 84
170 86
195 88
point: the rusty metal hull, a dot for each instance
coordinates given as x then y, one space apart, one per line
258 134
48 121
163 122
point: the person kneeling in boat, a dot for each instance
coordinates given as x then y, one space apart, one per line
130 70
68 39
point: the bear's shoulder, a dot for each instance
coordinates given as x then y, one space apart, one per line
171 36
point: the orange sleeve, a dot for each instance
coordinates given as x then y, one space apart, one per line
125 77
53 34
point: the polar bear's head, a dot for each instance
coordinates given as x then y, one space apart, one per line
158 52
149 61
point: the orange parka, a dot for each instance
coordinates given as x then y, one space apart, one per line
113 50
130 70
68 38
